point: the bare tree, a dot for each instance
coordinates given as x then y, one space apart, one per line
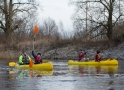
61 30
50 27
103 15
12 8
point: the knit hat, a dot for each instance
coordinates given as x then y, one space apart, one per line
98 52
39 54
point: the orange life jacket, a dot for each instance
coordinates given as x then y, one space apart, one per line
97 57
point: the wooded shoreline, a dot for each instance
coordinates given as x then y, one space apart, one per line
69 52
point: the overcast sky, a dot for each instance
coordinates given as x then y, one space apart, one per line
59 10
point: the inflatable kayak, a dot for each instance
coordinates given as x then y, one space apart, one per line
92 62
44 66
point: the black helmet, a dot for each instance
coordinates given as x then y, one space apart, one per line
98 52
39 54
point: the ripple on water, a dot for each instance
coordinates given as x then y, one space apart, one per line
63 77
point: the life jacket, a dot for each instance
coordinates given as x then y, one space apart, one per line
98 57
38 59
25 58
81 55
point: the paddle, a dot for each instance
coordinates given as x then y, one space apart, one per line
35 32
31 63
11 64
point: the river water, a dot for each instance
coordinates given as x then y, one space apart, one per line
63 77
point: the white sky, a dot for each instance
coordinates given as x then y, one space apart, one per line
58 10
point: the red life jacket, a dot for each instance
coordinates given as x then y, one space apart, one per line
81 55
38 59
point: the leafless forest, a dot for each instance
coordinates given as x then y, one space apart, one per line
97 23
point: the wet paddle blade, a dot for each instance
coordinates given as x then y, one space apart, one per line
35 29
31 63
11 64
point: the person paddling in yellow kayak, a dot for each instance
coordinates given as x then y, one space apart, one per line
97 56
81 56
24 58
37 57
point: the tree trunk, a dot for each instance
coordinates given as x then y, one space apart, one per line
8 20
109 30
8 37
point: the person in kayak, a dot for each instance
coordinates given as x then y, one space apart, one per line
37 57
81 56
97 56
24 58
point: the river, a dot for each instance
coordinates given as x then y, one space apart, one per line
63 77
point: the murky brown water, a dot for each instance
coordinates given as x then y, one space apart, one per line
63 77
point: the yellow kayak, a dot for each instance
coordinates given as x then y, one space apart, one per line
43 66
92 62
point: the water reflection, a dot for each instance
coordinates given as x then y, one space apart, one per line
95 77
96 70
29 73
63 77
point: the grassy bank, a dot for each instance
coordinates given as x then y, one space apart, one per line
49 47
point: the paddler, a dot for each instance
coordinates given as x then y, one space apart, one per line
37 57
24 58
97 56
81 56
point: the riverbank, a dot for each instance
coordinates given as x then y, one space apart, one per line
68 52
72 53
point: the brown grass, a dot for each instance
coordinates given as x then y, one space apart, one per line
14 49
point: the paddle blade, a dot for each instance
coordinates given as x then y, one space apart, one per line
31 63
11 64
35 29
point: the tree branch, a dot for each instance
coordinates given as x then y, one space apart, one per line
116 20
2 26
